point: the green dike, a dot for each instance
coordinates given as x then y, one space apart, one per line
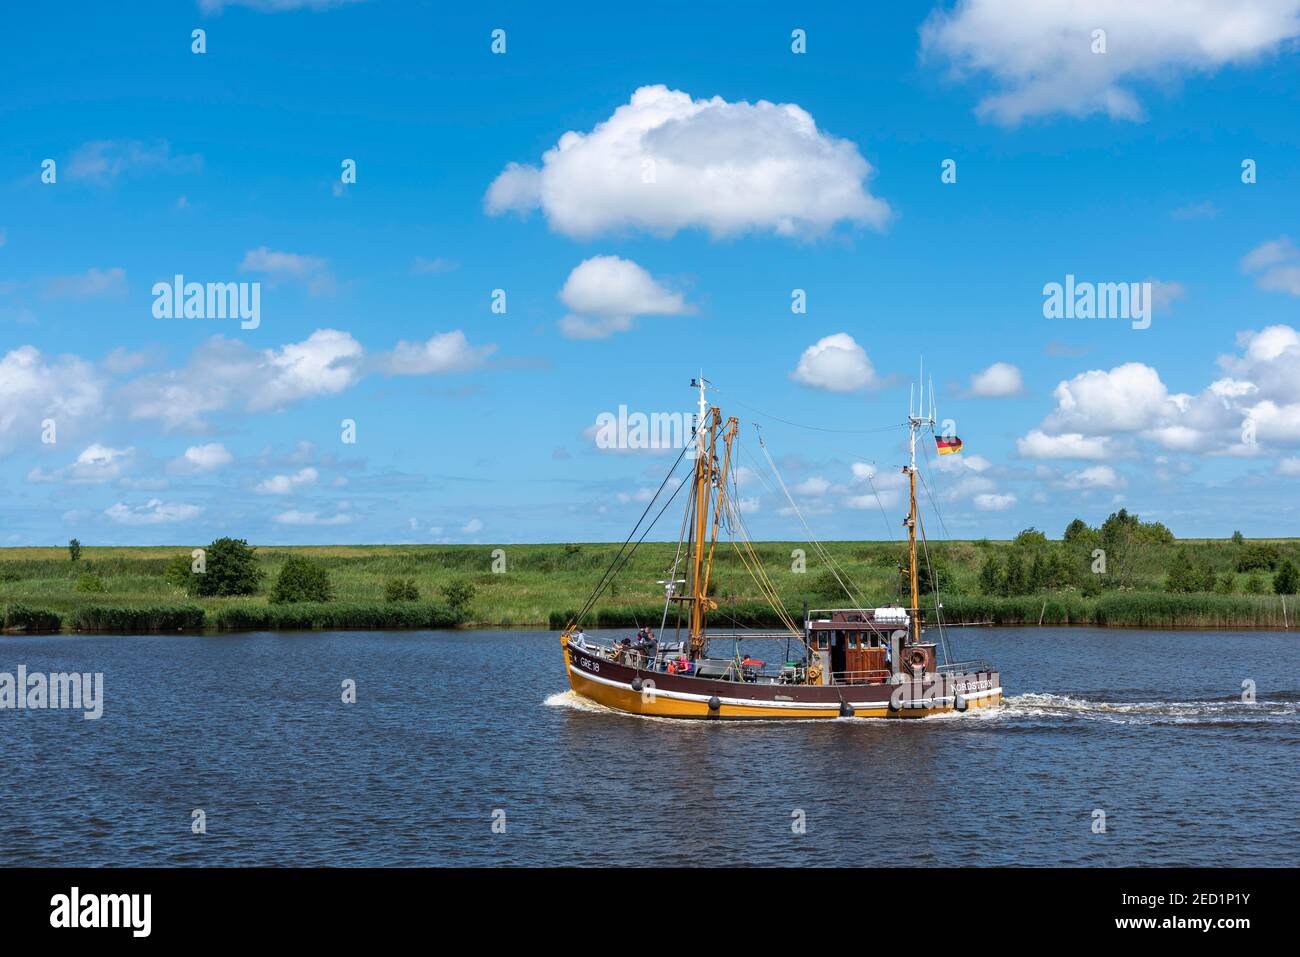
542 584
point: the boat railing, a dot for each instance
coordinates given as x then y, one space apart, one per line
874 676
957 667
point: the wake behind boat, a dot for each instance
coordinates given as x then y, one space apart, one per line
842 662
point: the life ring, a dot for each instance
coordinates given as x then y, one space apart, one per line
918 657
815 675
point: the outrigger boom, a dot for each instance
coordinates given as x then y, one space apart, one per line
868 662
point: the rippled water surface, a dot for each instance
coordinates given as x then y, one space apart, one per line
452 728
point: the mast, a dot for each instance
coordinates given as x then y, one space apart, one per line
704 437
915 421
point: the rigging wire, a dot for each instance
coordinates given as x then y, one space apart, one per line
938 598
812 539
815 428
736 522
610 571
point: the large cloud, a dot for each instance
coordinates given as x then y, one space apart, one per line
606 293
1251 411
665 162
1040 52
223 373
34 388
1125 399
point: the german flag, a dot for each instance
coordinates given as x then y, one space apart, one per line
947 444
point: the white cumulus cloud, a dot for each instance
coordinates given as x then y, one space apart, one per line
664 162
223 372
202 458
441 353
835 363
997 381
606 293
284 484
1039 53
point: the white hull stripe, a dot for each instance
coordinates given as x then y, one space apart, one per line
793 705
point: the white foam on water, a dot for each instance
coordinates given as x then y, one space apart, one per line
1148 712
571 699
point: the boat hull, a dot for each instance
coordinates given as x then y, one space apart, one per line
625 688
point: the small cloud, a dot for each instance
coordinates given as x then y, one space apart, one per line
814 486
273 6
1061 350
96 464
994 503
295 517
431 267
201 458
835 363
997 381
441 353
1205 210
312 271
607 293
1165 294
103 161
153 512
92 284
1095 476
122 361
1276 264
1068 445
285 484
472 527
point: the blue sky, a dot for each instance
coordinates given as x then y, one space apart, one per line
1115 167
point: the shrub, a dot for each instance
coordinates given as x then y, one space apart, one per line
138 618
1287 579
458 596
21 617
1257 557
179 572
929 573
1187 576
90 584
990 576
230 568
401 589
74 550
1031 536
302 579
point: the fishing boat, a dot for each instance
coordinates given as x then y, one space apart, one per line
852 661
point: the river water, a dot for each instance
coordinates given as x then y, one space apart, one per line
467 748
